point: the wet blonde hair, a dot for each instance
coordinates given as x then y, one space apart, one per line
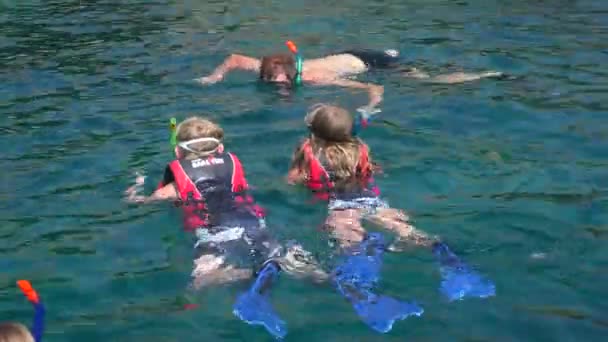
15 332
331 136
194 128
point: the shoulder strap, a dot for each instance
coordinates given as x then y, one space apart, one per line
239 182
184 184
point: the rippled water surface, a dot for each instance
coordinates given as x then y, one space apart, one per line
511 172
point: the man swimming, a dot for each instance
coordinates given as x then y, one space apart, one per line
335 69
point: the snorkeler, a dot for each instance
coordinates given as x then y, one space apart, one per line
17 332
332 70
209 183
337 167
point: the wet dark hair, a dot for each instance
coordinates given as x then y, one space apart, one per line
275 64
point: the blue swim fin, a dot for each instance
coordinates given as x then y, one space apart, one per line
459 280
355 279
253 306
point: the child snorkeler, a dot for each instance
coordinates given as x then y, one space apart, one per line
232 241
337 167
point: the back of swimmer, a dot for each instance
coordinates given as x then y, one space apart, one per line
337 167
209 184
332 161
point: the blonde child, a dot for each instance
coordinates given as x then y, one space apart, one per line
209 183
232 242
337 167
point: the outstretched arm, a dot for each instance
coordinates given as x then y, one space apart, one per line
375 91
233 62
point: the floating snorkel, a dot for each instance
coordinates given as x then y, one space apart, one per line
38 324
294 49
173 134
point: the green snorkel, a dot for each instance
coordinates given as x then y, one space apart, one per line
173 130
292 47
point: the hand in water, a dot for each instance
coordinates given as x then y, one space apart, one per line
131 192
368 111
139 179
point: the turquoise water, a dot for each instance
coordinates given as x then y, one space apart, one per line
511 173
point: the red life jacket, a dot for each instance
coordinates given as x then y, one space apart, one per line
209 187
321 181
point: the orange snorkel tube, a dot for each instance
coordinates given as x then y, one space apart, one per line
38 325
294 49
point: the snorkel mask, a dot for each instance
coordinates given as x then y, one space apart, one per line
294 49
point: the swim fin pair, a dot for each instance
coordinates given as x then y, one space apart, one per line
360 271
354 279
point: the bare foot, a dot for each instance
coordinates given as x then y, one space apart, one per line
300 263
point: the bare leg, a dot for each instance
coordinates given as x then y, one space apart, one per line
397 221
457 77
461 77
210 270
415 73
345 226
299 263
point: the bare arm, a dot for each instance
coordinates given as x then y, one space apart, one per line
167 192
233 62
375 91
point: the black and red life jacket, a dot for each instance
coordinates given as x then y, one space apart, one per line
322 182
209 188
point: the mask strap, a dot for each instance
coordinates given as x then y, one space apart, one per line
184 145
